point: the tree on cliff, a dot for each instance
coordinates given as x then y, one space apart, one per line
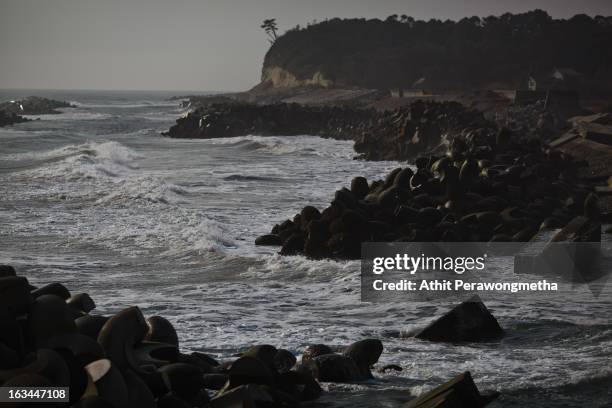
270 27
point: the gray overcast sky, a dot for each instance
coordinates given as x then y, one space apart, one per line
188 44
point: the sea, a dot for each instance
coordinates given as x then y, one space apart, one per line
97 199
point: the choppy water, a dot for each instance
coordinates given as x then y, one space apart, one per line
95 198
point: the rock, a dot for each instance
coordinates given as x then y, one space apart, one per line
112 388
6 270
172 401
56 289
15 296
460 392
391 367
34 105
249 370
269 240
579 229
49 316
249 395
161 330
213 120
186 380
28 380
120 334
470 176
293 245
139 395
214 381
9 358
90 325
403 177
82 347
9 118
308 214
365 353
336 368
192 359
315 350
81 302
284 360
12 333
205 358
359 187
44 362
470 321
264 353
156 354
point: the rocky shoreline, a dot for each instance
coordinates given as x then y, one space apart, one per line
474 180
34 105
401 134
237 119
11 112
51 337
496 187
9 118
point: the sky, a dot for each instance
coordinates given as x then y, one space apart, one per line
189 45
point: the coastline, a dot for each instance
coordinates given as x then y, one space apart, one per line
167 267
280 247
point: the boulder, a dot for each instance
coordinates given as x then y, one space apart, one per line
460 392
315 350
269 240
365 353
120 334
244 396
81 302
49 317
284 360
470 321
161 330
336 368
185 380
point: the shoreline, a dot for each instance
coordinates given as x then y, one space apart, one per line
124 359
332 394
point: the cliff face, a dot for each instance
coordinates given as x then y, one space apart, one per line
470 53
281 78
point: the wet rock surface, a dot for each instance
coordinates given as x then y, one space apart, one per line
460 392
379 135
52 337
470 321
412 130
34 105
10 118
239 119
488 186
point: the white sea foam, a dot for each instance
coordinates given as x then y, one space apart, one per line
71 114
169 225
83 161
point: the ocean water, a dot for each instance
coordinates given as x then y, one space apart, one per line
97 199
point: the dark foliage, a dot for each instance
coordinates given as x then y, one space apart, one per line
470 52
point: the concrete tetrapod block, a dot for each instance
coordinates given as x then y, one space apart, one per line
470 321
460 392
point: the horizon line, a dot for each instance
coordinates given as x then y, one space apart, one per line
115 90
